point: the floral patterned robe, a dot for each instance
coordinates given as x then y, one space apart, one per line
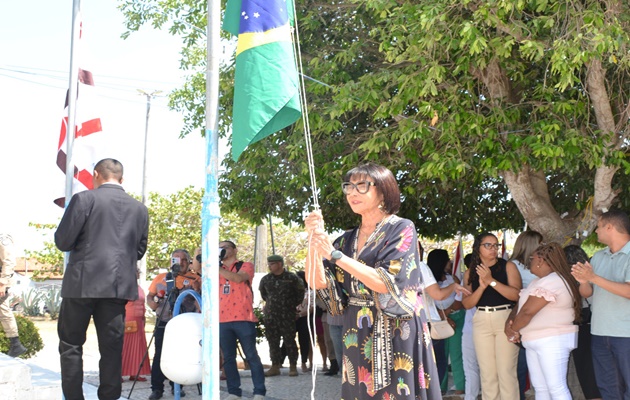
387 352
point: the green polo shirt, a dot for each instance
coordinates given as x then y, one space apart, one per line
611 313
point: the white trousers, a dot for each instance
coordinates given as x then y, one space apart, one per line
547 360
471 368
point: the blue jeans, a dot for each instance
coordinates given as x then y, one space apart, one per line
245 333
337 339
611 361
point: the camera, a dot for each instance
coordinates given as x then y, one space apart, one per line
198 258
221 253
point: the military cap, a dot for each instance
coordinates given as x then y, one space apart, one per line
275 258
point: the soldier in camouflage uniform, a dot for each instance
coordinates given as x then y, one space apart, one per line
282 292
7 263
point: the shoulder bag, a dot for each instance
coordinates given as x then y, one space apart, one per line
440 329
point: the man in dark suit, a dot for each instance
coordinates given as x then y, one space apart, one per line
105 230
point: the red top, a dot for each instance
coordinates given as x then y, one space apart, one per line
237 305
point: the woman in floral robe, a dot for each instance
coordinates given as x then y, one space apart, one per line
371 274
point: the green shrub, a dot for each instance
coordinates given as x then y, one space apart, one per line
29 336
260 326
52 301
31 303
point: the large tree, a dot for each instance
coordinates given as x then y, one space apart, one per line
490 113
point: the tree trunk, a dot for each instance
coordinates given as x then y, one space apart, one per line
529 188
530 193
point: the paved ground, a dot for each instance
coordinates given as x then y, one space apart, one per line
46 365
283 387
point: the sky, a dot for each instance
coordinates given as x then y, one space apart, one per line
34 65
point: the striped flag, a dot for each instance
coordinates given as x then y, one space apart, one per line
458 261
85 142
504 253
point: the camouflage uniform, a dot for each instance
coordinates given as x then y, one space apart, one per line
7 319
7 263
282 294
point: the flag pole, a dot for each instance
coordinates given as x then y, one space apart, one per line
72 98
72 105
210 213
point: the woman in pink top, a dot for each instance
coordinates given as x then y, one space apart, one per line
135 342
547 310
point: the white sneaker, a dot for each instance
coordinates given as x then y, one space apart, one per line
233 397
259 397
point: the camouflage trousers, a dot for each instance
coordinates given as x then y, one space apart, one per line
7 319
284 329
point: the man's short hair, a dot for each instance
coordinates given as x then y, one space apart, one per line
230 242
617 218
182 251
109 168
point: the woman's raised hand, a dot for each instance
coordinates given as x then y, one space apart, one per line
485 276
313 221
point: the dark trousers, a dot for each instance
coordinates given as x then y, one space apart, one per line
304 338
109 320
611 360
157 376
583 360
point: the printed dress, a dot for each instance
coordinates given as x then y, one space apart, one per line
387 352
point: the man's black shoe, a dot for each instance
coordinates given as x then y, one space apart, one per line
156 394
181 392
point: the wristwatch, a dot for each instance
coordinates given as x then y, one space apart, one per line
493 283
335 255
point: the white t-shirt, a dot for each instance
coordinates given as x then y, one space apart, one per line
427 280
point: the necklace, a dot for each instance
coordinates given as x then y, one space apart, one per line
374 233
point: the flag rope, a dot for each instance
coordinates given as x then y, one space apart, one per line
295 36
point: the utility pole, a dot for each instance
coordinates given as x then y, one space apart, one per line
145 197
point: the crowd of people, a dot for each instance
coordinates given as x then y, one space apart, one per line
366 298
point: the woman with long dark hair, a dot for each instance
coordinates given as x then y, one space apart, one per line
545 323
451 310
582 355
495 285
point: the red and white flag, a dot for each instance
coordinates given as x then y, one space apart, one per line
85 142
504 253
458 261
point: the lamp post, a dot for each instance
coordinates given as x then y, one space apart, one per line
145 197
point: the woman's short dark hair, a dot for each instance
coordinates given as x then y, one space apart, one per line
384 182
437 261
575 254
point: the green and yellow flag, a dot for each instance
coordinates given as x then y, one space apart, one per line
266 89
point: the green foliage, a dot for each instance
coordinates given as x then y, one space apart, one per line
260 326
516 85
32 302
50 257
174 223
52 301
29 336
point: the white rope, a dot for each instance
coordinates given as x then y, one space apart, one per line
313 258
305 120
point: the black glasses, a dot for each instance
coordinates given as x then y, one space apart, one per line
489 246
361 187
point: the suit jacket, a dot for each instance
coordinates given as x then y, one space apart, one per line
105 230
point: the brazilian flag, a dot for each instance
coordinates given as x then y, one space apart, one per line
266 89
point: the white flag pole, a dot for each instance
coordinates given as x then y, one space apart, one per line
210 213
72 104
